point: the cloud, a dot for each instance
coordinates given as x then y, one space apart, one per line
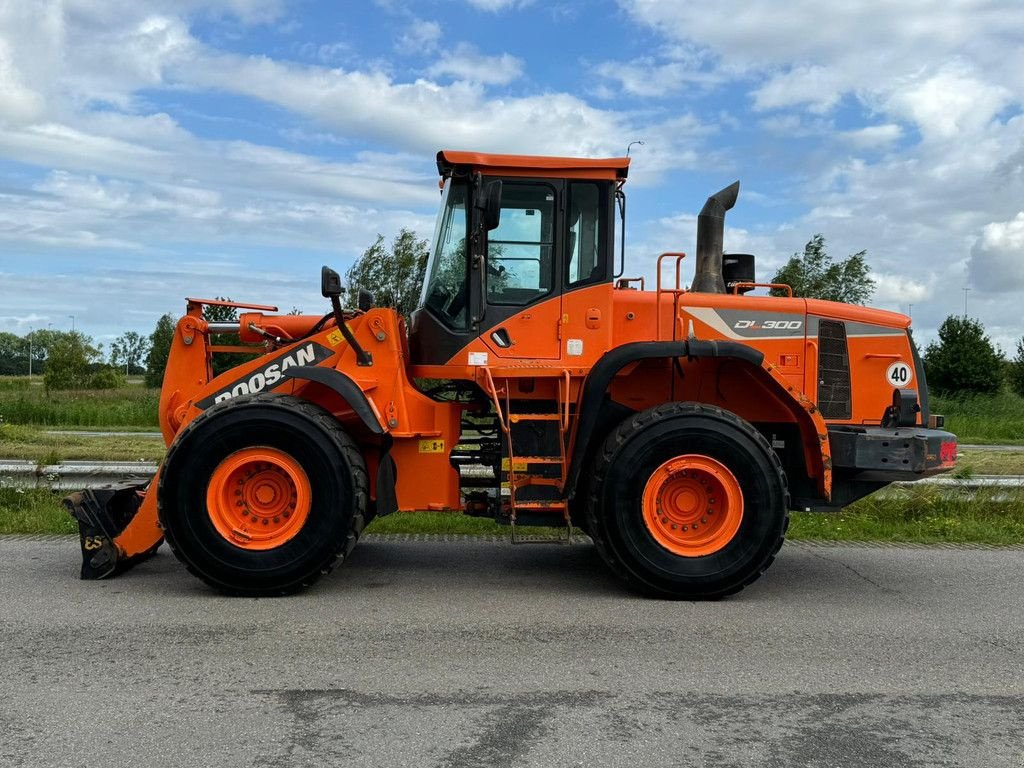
873 136
467 64
816 87
997 257
951 102
495 6
419 37
809 53
678 69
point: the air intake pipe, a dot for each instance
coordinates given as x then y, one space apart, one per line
710 232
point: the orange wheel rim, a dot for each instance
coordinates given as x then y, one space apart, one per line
258 498
693 505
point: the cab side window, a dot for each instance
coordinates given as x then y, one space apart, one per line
520 251
585 258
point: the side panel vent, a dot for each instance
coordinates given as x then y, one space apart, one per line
833 371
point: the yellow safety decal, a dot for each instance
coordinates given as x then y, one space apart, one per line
335 338
519 465
431 446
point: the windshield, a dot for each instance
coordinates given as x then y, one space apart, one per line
445 290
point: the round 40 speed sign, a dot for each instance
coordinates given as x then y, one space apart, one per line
899 374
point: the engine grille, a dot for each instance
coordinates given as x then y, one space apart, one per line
833 371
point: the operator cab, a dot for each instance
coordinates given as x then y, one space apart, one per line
513 232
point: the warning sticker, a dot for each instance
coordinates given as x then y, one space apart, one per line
334 338
478 358
574 347
431 446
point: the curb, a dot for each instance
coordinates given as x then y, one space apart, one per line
582 540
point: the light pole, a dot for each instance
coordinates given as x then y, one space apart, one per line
72 323
966 290
31 330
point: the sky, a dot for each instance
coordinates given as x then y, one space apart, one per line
156 149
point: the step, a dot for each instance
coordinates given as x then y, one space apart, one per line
515 418
554 506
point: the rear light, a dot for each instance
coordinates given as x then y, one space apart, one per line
936 421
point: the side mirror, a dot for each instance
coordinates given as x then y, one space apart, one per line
330 283
488 202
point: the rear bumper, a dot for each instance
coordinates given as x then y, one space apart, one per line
890 453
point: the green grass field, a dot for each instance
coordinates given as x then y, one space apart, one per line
37 444
22 402
988 419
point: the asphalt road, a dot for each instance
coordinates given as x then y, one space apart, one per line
481 654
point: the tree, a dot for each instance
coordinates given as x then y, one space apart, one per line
128 351
814 275
963 360
1016 370
69 362
159 350
394 276
13 355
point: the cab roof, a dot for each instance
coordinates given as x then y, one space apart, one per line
611 168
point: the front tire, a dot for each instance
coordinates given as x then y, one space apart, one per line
263 495
688 501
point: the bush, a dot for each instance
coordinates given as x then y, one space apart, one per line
68 362
107 378
963 360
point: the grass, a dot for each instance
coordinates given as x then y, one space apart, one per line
983 419
35 444
31 510
25 403
922 515
978 461
917 516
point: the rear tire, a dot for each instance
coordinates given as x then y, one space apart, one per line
288 459
667 468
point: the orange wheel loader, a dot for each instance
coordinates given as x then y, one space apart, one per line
535 385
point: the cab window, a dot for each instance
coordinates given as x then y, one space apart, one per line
445 290
585 259
520 250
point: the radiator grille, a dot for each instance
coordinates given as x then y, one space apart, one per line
833 371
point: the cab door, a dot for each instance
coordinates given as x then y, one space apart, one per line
523 311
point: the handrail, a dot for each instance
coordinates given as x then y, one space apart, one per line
775 286
493 391
567 378
679 256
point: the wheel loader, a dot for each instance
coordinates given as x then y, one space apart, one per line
536 385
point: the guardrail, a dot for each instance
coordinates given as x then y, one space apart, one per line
80 475
72 475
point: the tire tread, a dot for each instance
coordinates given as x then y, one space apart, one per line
345 444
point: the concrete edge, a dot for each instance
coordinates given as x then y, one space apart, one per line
581 539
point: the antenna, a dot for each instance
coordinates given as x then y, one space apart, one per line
630 146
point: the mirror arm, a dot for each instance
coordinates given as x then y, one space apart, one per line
362 356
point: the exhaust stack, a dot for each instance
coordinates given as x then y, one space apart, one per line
710 232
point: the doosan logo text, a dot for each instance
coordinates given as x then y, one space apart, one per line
271 374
